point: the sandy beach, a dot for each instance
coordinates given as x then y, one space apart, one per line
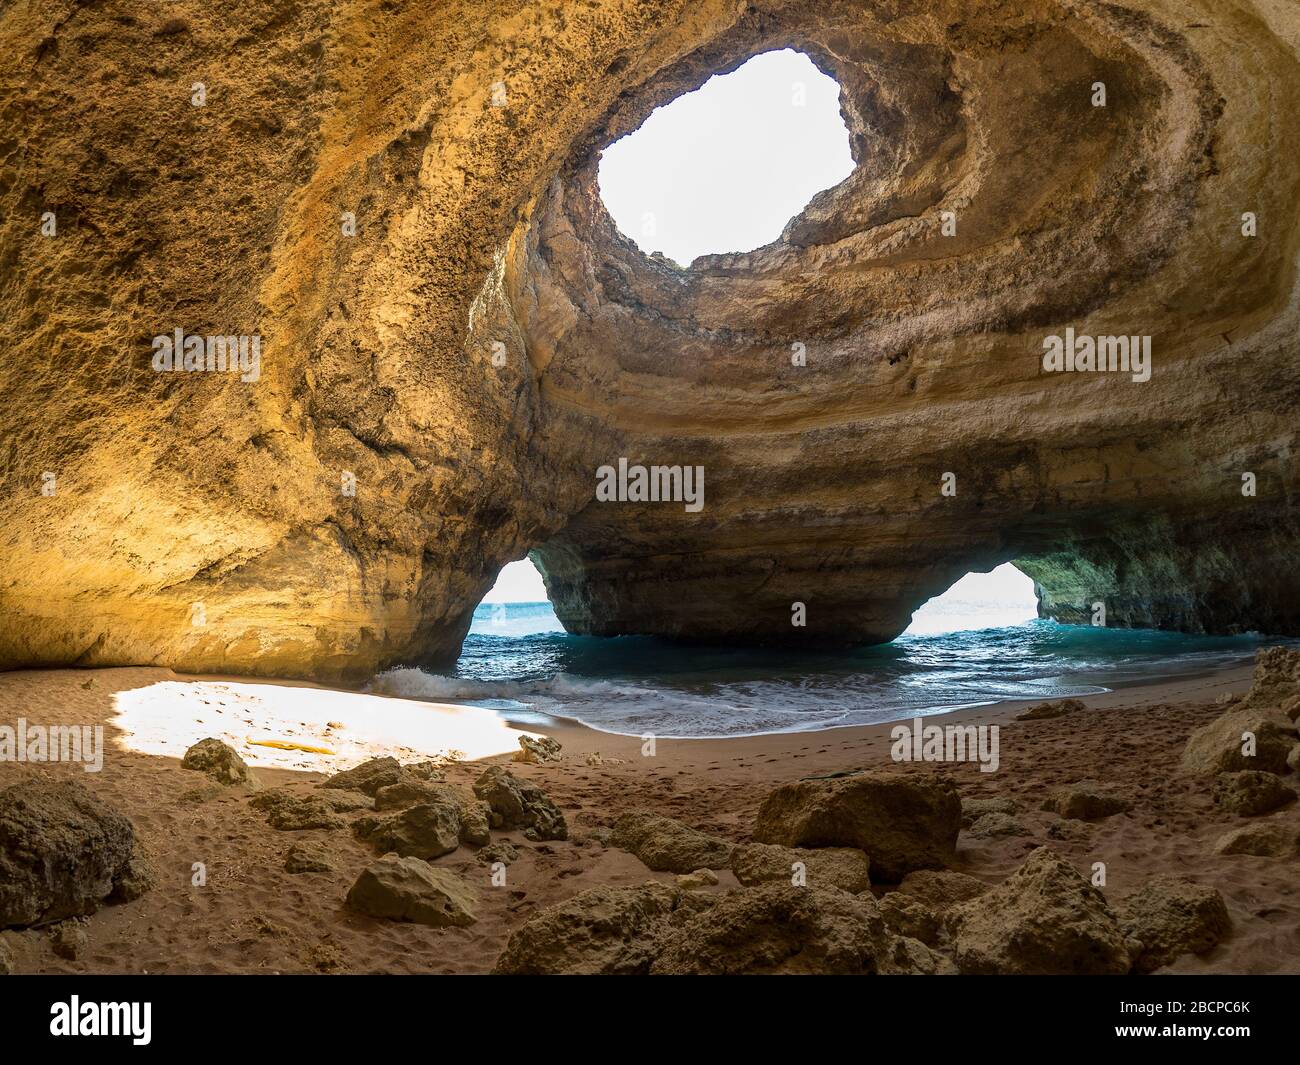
252 916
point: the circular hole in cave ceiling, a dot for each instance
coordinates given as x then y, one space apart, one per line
725 168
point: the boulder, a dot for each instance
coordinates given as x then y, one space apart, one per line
342 801
995 824
1264 839
409 889
218 761
474 813
1277 678
1044 711
605 931
1250 793
973 809
427 831
1087 800
841 867
537 751
1170 916
516 803
368 777
904 822
1291 709
1045 919
1222 746
290 812
942 890
782 930
62 852
307 858
669 846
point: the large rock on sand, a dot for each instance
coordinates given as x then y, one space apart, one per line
1170 916
1226 744
1250 793
669 846
941 890
764 863
427 831
606 931
1263 839
368 777
903 822
777 929
62 852
516 803
219 761
408 889
1045 919
474 813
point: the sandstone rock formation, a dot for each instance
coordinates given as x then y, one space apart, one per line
840 867
427 831
1244 738
902 822
1170 916
1250 793
1264 839
454 335
368 777
516 803
62 853
1044 919
669 846
1046 711
408 889
219 761
604 931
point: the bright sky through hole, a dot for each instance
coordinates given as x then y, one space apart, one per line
724 168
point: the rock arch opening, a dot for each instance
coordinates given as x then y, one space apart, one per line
726 167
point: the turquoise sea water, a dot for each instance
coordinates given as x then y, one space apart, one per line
517 659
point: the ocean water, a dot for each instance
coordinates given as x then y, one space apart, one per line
518 660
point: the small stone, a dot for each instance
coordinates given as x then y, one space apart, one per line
219 761
307 858
502 851
942 889
1087 800
1070 831
134 881
699 879
342 801
68 938
1263 839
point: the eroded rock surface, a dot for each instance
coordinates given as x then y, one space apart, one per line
669 846
1170 916
408 889
1044 919
348 508
902 822
62 853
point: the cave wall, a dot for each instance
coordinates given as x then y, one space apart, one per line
486 339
